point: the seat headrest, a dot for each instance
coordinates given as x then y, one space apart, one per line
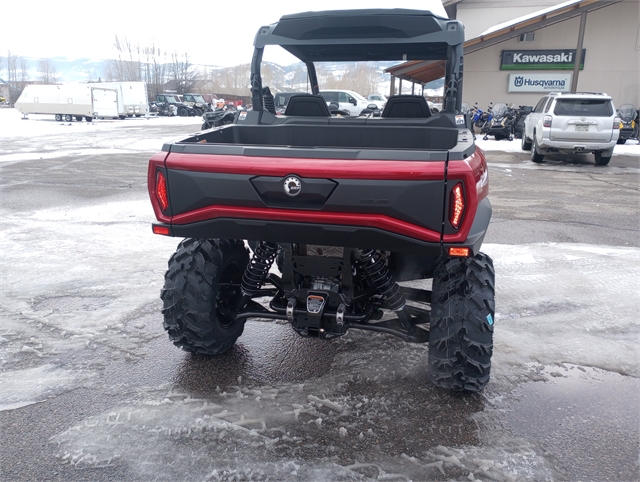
307 105
408 106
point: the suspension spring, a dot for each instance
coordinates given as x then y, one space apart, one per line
258 268
378 274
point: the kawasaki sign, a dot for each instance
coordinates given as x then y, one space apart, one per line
549 82
540 59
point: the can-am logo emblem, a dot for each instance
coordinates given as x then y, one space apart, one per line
292 186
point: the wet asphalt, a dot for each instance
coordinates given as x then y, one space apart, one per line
364 408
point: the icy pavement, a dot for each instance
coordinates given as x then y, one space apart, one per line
92 273
90 380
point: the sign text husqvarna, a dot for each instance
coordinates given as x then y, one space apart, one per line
540 59
547 82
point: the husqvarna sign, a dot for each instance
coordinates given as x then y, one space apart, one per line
547 82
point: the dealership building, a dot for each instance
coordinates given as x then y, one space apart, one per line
516 52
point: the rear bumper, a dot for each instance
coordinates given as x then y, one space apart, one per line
329 234
576 146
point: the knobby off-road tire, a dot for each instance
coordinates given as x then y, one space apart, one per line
202 281
461 328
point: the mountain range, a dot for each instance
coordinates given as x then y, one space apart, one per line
93 70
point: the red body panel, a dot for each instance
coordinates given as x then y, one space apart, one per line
471 171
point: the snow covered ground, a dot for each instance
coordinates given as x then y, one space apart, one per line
80 285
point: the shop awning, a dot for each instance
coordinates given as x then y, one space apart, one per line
422 72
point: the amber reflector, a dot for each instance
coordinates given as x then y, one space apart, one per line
161 230
161 191
457 206
458 251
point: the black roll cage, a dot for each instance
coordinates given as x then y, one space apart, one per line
365 35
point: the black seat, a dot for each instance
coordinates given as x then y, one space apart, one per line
307 105
408 106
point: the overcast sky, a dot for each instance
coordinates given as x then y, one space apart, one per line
213 32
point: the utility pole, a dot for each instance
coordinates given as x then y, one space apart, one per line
578 58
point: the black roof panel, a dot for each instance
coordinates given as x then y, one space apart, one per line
369 34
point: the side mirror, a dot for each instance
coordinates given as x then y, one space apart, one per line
353 101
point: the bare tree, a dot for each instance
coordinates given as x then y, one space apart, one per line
12 68
128 66
15 89
155 69
24 70
47 71
183 74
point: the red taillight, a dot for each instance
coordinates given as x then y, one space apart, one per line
161 191
546 121
457 206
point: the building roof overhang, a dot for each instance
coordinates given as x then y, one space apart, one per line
422 72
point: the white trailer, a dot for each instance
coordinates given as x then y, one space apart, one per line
132 97
69 101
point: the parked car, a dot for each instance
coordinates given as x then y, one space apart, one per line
583 122
378 99
347 100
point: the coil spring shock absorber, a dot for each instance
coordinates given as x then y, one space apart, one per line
378 274
257 270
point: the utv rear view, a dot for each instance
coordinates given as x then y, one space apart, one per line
314 218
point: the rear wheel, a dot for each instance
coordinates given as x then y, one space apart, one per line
202 285
535 155
602 159
68 118
58 117
88 119
183 112
461 327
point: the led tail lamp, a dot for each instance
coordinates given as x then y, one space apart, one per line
161 191
457 206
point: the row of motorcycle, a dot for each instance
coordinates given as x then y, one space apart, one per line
504 122
500 120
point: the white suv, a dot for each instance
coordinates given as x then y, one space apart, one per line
572 123
347 100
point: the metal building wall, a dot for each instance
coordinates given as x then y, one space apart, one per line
612 62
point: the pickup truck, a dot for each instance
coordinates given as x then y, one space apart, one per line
314 219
